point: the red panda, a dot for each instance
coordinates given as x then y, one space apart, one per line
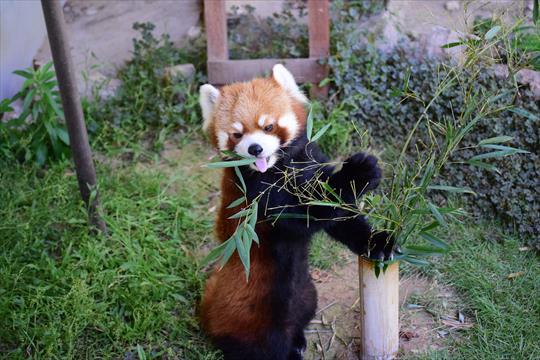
265 317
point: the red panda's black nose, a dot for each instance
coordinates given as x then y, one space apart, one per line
255 149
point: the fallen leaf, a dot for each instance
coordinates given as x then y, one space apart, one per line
407 335
456 325
461 317
414 306
320 276
515 275
442 333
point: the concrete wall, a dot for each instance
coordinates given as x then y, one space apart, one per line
22 30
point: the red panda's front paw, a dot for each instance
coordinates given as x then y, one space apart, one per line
382 246
364 171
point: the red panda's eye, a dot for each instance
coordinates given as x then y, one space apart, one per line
237 135
268 128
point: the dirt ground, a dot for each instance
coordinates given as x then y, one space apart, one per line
429 315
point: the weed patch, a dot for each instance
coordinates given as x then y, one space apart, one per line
68 294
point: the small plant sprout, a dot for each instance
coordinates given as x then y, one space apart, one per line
39 132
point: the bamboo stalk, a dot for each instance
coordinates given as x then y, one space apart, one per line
379 315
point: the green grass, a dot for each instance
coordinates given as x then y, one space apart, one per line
326 253
67 294
506 311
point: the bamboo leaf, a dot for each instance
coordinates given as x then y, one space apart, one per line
254 214
433 240
236 202
323 203
225 164
492 32
231 154
423 250
435 211
215 253
377 269
247 240
483 165
241 178
242 253
291 216
502 147
452 44
415 261
309 123
496 140
331 191
442 210
497 154
452 189
240 214
227 253
524 113
253 233
320 132
432 225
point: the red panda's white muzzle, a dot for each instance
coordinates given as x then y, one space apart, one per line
266 146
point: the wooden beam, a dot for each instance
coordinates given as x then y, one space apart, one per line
228 71
215 22
319 39
319 30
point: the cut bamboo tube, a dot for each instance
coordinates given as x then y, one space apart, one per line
379 315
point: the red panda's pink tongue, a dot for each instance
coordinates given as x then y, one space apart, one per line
261 164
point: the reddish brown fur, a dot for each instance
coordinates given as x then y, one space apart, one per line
246 103
232 306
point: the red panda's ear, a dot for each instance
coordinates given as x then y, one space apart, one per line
208 99
284 78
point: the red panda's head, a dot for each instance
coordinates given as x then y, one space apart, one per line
256 118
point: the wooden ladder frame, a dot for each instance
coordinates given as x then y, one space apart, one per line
222 70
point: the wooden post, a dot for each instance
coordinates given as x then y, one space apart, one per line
71 103
379 312
223 71
319 39
215 23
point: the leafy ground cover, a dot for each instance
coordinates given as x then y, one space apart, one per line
68 294
494 276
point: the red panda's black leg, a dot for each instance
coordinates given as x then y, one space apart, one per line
299 346
274 346
378 246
